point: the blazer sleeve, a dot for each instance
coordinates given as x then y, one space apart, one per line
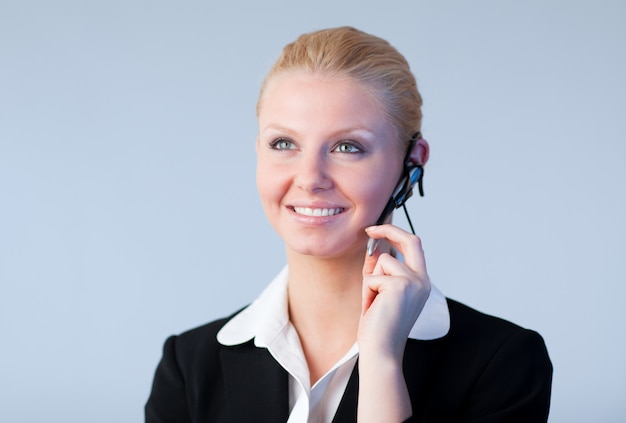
167 402
515 385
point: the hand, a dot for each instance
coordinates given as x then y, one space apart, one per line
394 293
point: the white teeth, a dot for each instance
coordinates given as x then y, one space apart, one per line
307 211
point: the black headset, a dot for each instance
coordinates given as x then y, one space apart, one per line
412 174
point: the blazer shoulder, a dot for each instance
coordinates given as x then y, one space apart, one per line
471 322
201 337
487 341
511 371
189 381
485 369
496 347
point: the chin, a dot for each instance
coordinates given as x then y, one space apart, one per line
328 250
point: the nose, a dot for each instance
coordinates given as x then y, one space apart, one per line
312 173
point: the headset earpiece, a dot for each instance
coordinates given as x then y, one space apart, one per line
412 174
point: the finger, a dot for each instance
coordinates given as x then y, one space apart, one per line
385 266
390 266
368 295
409 245
369 267
370 262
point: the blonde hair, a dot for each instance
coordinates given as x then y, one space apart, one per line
346 52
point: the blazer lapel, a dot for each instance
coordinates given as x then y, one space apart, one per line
256 385
346 411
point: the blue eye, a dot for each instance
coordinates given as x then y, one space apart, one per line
347 147
282 144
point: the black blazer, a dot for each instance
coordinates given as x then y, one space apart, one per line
484 370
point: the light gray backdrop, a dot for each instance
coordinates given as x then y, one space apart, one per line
128 207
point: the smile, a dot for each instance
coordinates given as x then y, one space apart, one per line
306 211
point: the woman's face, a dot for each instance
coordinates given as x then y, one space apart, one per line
328 160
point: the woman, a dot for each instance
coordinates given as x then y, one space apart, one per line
342 335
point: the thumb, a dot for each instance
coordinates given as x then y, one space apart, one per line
368 295
370 263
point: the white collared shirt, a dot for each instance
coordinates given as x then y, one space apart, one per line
267 321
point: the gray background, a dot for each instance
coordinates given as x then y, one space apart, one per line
128 206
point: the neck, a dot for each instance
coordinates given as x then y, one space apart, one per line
325 306
320 284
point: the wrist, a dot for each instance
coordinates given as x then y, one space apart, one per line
383 394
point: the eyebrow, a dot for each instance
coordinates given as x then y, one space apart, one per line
340 132
277 128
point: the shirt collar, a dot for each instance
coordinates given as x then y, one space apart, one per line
268 316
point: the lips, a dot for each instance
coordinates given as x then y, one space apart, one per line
318 212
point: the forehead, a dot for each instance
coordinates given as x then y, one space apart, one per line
318 96
317 79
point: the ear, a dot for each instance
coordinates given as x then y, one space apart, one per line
420 153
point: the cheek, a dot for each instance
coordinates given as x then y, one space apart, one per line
269 185
262 184
371 194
